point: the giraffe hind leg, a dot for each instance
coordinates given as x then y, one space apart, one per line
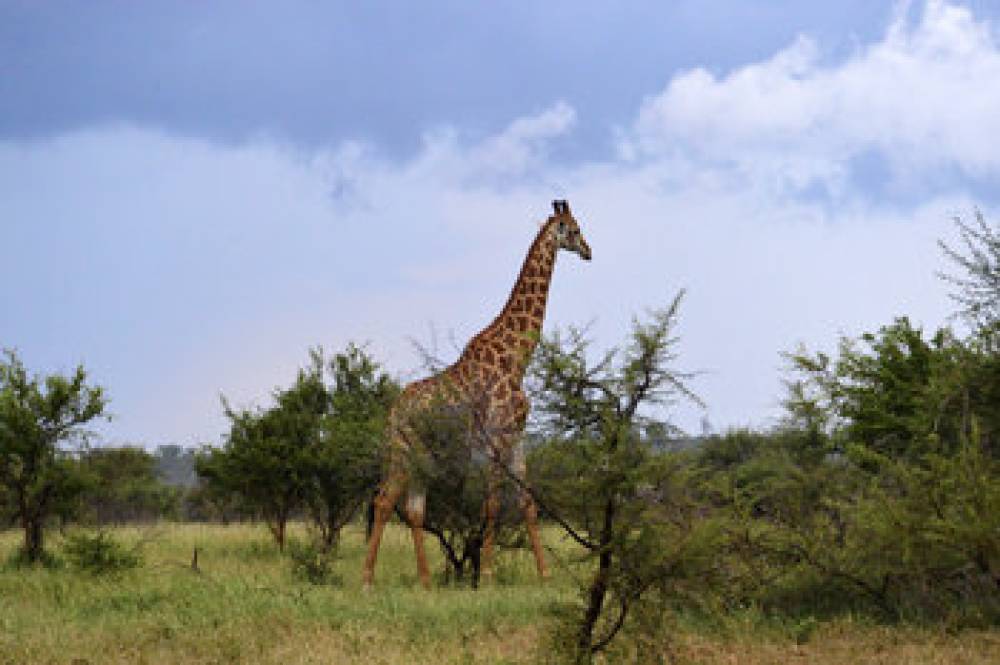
490 509
386 500
531 522
416 503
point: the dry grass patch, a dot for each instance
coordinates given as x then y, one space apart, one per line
846 643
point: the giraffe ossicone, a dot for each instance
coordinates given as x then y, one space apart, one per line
485 383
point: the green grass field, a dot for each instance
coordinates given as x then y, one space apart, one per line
245 606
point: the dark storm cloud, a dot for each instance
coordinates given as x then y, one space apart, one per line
316 73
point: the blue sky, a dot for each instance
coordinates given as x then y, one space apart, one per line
191 195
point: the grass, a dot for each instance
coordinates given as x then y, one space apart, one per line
246 607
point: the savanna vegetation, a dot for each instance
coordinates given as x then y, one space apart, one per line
863 527
248 604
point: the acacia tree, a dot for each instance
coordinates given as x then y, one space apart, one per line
451 463
449 459
344 459
315 448
263 459
977 284
977 294
598 475
39 417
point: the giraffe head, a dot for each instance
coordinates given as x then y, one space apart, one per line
566 231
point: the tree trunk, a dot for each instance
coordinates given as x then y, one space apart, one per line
595 603
598 588
276 525
32 521
328 536
335 522
370 516
32 538
475 558
331 529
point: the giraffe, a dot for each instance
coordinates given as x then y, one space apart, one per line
488 375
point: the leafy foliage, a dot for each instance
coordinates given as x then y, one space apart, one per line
345 461
38 416
894 394
99 553
122 486
453 469
880 492
262 462
978 282
599 476
877 495
316 448
821 536
313 563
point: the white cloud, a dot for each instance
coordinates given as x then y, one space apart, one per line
925 96
195 267
522 145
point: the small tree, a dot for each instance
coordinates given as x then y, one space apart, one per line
344 459
263 461
450 462
316 447
38 417
599 476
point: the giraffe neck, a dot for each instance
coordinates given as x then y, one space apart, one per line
514 333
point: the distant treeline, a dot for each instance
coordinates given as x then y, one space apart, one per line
129 484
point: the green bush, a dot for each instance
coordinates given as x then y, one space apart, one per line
913 538
99 553
312 563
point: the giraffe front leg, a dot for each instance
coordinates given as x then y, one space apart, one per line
519 467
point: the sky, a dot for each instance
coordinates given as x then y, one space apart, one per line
194 194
